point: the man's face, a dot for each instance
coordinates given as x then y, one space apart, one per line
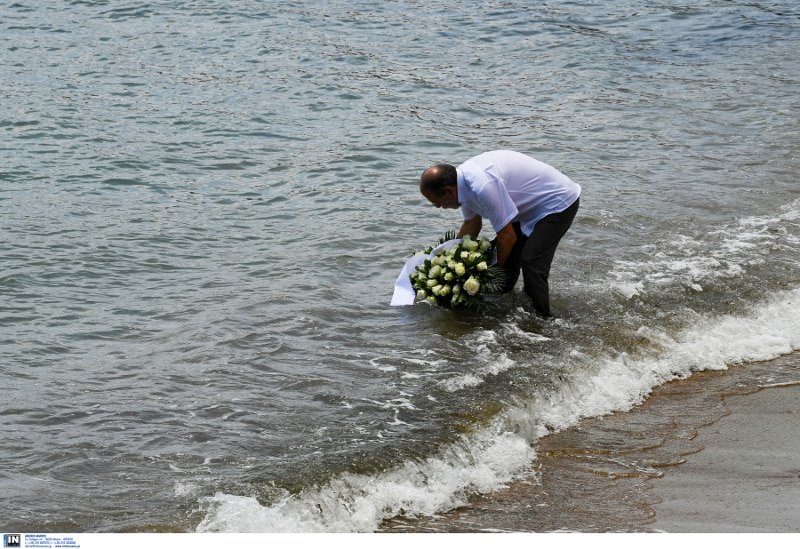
448 200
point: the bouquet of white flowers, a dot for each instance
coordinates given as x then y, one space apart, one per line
458 273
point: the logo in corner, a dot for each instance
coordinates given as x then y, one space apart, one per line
12 540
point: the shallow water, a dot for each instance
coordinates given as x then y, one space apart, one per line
205 206
604 474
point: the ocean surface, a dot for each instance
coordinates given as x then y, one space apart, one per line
204 207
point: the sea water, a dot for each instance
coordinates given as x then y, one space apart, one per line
205 206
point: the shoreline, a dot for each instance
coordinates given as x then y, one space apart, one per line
689 459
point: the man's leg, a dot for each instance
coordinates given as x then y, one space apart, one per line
538 255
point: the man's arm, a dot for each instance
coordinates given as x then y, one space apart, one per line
472 227
506 238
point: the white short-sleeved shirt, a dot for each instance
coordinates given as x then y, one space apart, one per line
507 186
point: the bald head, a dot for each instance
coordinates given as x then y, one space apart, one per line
439 184
436 178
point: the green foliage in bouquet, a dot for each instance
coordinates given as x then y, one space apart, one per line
459 277
449 235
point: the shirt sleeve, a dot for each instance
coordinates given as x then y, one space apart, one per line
494 200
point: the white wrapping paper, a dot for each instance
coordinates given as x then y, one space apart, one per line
404 294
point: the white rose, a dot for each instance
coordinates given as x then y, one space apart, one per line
482 266
460 269
434 271
448 276
432 282
469 244
472 285
465 255
432 300
485 244
421 295
456 289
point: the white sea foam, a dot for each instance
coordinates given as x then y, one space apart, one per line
358 503
491 358
621 381
488 459
719 255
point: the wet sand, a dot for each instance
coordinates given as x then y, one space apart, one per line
746 478
718 452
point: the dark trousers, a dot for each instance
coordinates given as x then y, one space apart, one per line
533 255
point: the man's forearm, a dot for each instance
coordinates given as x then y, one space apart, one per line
471 227
503 251
506 238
